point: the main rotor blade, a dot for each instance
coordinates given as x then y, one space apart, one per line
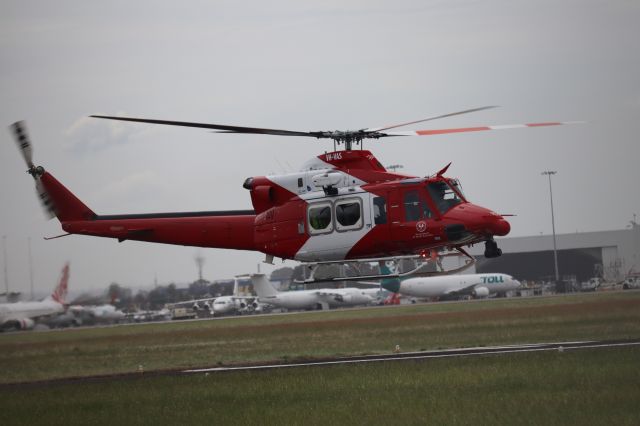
225 128
477 129
22 140
379 129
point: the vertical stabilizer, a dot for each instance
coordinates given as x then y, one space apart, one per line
54 197
262 286
66 206
389 284
60 292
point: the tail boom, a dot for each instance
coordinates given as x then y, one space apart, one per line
215 231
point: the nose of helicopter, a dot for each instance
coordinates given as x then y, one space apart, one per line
480 220
499 226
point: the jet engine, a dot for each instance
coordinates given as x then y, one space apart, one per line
21 324
26 324
481 292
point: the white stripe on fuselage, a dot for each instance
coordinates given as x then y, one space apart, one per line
336 244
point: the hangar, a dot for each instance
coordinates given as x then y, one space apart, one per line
608 254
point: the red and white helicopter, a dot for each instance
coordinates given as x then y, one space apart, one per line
342 206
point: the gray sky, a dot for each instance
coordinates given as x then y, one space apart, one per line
303 66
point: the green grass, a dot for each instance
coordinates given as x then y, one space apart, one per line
82 352
551 388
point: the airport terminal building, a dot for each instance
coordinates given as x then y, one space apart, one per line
608 254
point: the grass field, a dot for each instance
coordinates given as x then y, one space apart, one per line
84 352
573 387
586 387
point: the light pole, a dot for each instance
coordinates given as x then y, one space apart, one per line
553 224
30 266
6 274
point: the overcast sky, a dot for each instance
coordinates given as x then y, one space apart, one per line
302 66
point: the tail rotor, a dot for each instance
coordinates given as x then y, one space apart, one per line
24 145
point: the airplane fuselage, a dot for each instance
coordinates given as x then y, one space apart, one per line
480 285
19 311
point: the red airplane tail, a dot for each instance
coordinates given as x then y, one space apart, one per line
60 292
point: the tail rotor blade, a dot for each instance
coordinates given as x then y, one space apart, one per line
22 139
45 200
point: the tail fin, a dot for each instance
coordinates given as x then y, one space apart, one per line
67 207
262 287
235 286
389 284
60 292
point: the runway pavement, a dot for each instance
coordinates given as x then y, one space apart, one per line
446 353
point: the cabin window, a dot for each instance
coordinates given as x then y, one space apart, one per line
348 215
443 196
320 218
415 208
379 210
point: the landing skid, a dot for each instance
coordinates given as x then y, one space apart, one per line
420 270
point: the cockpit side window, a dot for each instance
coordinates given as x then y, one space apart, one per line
443 196
415 207
379 210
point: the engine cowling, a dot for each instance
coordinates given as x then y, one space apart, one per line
263 194
25 324
342 298
481 292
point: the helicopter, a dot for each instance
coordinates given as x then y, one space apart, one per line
341 206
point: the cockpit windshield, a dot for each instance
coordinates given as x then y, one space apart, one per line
443 196
455 184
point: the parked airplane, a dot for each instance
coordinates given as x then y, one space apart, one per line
310 299
23 315
477 285
235 303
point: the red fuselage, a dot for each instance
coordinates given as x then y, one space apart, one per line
341 205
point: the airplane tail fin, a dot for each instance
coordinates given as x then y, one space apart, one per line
262 287
389 284
60 292
235 286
